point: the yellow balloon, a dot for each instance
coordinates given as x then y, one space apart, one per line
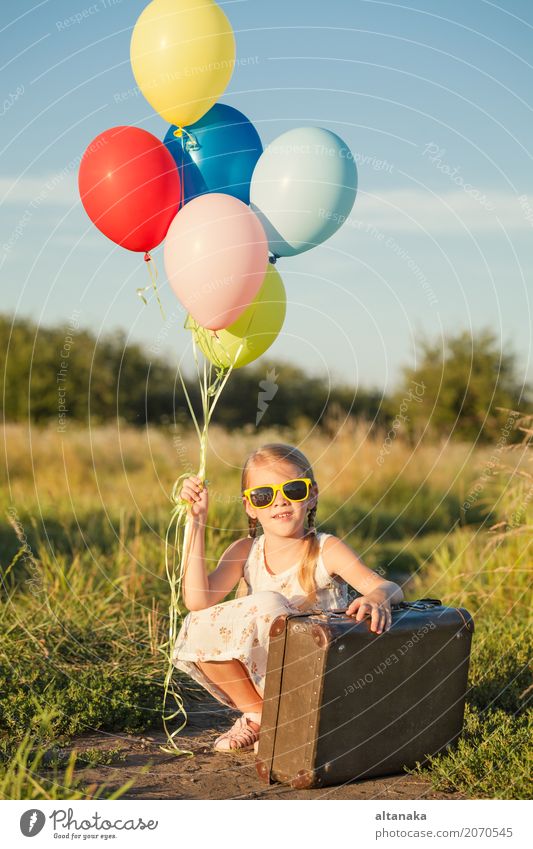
182 55
255 329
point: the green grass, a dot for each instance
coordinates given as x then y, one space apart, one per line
492 759
35 772
490 573
81 644
85 598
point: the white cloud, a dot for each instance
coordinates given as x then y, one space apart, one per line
458 211
57 188
462 210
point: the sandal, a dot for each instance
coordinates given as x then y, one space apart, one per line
241 736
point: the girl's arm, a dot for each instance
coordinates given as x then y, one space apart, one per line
377 593
199 589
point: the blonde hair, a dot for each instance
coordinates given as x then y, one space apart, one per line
274 451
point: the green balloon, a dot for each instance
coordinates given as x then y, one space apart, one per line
255 329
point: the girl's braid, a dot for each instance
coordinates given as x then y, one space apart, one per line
311 520
252 526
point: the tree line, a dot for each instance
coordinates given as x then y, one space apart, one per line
65 373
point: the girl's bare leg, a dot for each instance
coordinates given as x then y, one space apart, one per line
232 677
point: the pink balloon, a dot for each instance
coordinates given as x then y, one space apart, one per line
216 257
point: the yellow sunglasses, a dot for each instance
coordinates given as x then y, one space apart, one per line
296 489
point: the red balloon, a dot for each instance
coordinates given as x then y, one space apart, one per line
130 187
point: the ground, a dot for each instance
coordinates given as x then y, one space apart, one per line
210 775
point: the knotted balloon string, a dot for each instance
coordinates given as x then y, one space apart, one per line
213 343
174 579
190 143
152 271
205 338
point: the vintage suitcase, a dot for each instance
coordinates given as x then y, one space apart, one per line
342 702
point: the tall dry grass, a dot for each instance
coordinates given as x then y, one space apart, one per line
121 466
490 571
99 484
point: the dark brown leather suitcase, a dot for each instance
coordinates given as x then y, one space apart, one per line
342 702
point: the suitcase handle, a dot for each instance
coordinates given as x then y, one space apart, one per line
420 604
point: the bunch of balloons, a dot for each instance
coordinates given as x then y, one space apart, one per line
220 201
221 204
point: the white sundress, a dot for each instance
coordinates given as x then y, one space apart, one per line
239 629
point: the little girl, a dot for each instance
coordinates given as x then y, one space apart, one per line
288 568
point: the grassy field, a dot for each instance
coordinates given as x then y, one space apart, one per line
84 593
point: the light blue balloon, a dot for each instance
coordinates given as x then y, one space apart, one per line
303 188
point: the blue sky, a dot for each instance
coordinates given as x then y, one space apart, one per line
434 100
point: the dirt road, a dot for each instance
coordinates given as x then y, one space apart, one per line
210 775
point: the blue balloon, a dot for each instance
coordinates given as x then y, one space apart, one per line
219 153
192 182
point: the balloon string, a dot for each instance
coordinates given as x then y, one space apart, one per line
178 537
182 173
211 340
152 271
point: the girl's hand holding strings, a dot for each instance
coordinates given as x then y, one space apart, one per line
194 490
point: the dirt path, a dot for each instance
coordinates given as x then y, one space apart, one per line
211 775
